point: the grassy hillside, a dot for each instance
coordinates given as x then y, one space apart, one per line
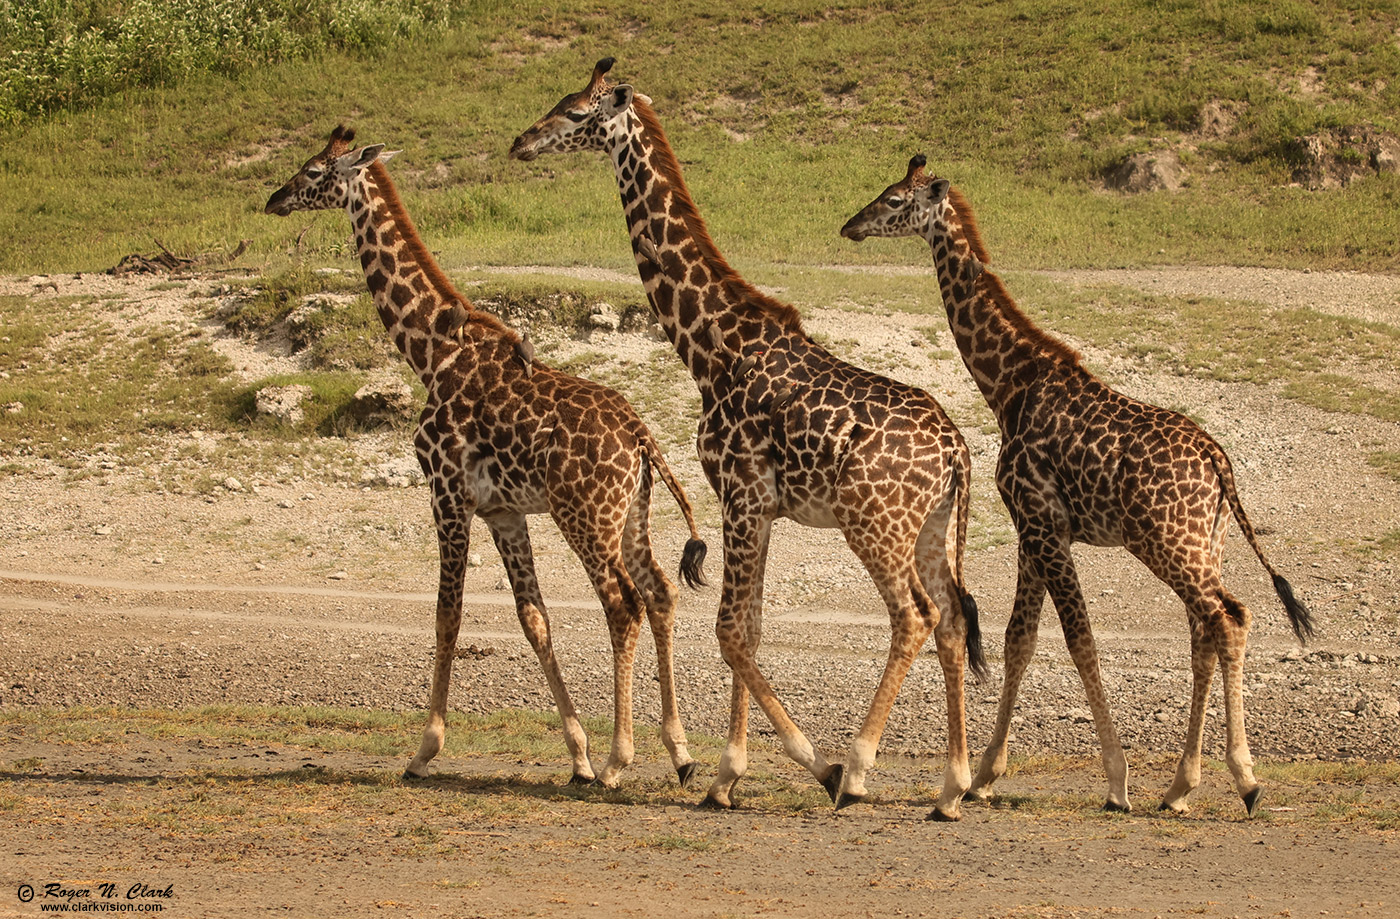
787 115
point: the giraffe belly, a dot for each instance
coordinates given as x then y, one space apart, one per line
810 513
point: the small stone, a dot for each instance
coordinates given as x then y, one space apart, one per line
338 576
474 560
503 583
233 484
284 503
102 531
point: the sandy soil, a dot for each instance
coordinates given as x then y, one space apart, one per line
305 588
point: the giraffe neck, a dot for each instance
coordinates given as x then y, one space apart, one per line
690 285
1003 349
415 300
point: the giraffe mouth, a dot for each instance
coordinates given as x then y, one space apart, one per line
280 204
853 234
522 150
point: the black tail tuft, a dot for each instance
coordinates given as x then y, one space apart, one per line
1298 614
692 560
975 658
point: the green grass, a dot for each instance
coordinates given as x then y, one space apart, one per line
787 117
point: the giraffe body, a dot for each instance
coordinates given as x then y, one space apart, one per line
789 430
1081 462
504 436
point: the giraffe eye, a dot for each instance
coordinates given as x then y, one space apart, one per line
576 116
894 201
314 172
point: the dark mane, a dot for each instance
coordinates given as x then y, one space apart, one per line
741 290
990 286
969 226
420 255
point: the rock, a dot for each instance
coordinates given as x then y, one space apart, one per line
233 484
283 402
605 317
14 408
385 397
474 560
1146 172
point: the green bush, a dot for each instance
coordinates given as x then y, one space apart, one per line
62 54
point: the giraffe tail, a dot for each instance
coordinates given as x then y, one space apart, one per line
1299 616
693 555
976 658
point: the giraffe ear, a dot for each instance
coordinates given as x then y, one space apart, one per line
936 190
617 101
357 160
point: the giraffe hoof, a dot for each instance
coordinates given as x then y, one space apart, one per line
410 776
1251 800
1113 807
685 774
976 796
711 803
937 816
832 782
846 799
577 779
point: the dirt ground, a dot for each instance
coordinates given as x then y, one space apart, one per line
317 589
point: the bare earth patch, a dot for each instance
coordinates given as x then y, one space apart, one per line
304 587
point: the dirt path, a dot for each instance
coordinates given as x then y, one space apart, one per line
318 591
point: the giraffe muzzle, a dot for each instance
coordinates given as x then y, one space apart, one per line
522 150
279 204
852 233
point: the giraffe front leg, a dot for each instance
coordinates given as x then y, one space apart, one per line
1022 630
512 538
453 532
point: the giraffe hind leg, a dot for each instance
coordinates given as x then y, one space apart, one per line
1188 770
660 595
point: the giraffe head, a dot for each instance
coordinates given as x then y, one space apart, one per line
909 207
581 120
324 181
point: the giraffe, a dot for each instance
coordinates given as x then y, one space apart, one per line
1081 462
788 430
504 435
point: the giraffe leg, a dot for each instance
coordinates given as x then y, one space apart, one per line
911 624
454 528
512 537
1188 770
1019 649
660 595
623 604
1062 582
1233 631
745 551
951 638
